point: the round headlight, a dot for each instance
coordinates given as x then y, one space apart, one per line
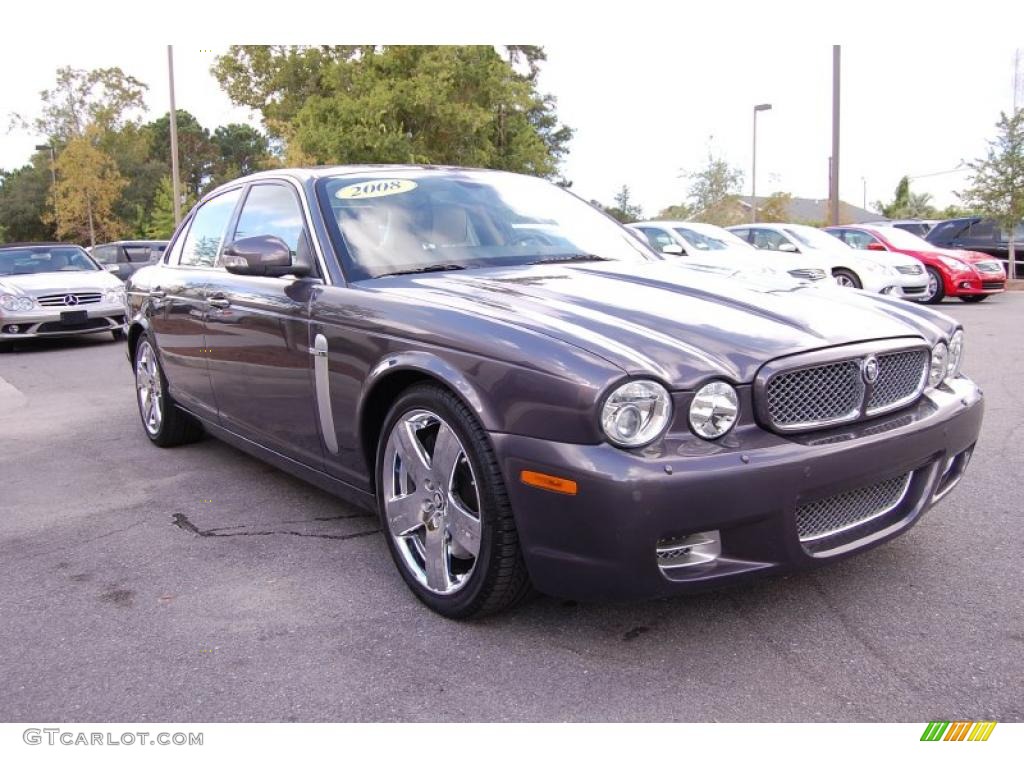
8 302
24 304
636 413
940 360
115 295
956 354
714 410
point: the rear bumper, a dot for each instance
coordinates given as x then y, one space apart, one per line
39 324
602 542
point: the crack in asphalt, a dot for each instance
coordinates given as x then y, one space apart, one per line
181 521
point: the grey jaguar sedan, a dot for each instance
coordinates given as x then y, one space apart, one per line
530 398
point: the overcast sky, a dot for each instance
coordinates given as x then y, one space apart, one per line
646 109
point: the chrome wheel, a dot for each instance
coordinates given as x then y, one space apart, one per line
933 286
431 501
844 281
150 391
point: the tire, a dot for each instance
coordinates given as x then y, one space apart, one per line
118 334
976 299
936 291
438 510
167 425
6 346
846 278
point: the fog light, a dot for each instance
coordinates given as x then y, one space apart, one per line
11 329
888 289
965 284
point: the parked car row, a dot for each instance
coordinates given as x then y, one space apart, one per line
530 397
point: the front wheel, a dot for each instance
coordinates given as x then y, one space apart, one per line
164 423
974 299
846 279
444 508
935 292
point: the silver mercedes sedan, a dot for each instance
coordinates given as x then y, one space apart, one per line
55 289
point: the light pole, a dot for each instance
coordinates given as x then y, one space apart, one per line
53 175
833 189
175 184
864 185
753 169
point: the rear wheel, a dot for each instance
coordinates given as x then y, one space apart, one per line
444 507
165 424
846 279
974 299
935 292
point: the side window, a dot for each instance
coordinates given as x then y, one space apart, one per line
984 230
105 254
658 238
271 209
742 234
767 239
206 234
137 254
859 240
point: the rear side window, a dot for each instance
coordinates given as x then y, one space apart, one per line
139 254
945 232
271 209
742 234
105 254
206 235
982 230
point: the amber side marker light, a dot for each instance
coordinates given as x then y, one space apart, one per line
548 482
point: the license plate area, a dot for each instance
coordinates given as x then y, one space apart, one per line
77 317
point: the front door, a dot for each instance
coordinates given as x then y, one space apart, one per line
257 334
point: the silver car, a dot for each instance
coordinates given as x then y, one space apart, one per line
55 289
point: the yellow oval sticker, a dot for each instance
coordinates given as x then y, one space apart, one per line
375 188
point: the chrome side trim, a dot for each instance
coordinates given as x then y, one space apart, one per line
322 383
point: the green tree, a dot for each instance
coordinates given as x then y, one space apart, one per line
25 198
714 192
775 208
906 204
996 185
88 187
239 151
625 210
160 223
459 105
679 212
196 151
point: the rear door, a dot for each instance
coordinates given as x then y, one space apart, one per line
178 301
257 332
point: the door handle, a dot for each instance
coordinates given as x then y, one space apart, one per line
218 300
157 293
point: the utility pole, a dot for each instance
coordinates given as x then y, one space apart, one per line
175 184
864 185
833 191
753 169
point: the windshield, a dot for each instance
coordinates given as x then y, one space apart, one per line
900 238
34 260
410 221
815 238
714 238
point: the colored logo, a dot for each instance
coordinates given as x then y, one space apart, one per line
958 730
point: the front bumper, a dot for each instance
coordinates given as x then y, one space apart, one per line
913 287
602 542
40 323
963 284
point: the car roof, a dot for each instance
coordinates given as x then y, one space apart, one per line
40 244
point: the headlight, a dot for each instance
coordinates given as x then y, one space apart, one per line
114 295
955 264
13 303
636 413
956 354
714 410
939 366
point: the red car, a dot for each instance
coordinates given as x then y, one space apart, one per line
968 275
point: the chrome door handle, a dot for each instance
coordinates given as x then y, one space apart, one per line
157 293
218 300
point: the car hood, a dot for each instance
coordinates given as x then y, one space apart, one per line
971 257
682 326
56 282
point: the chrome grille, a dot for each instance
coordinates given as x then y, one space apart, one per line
901 376
808 274
844 511
989 267
61 299
816 396
910 269
791 397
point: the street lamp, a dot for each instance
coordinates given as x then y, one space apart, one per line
53 175
753 170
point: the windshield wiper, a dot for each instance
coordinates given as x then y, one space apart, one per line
570 257
421 270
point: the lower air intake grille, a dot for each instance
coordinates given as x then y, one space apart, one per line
851 508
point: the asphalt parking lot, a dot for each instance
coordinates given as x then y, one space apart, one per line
198 584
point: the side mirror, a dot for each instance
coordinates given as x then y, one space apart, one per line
788 248
261 256
672 249
110 267
876 246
